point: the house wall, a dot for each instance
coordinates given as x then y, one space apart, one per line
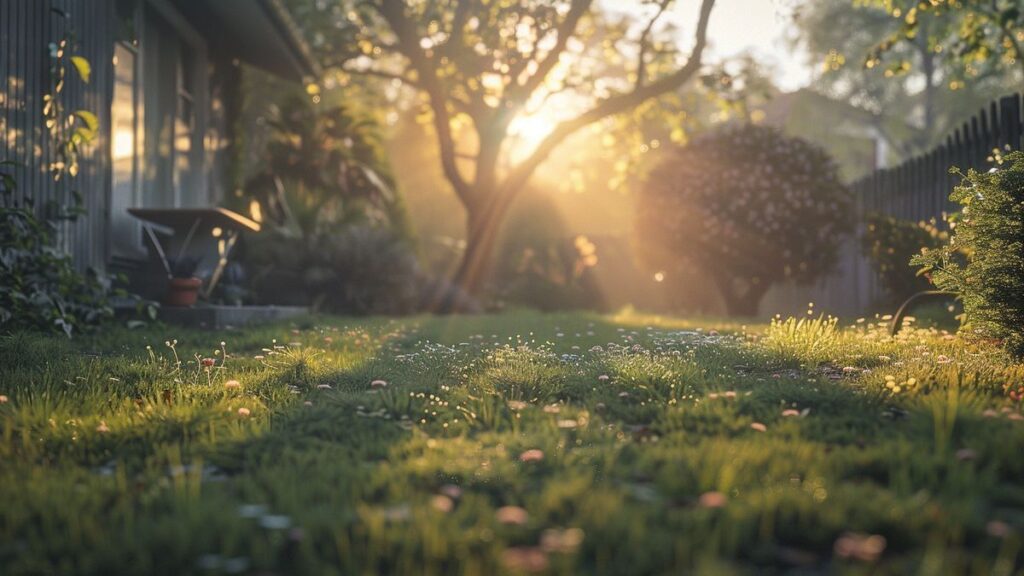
27 27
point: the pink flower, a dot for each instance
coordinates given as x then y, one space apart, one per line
712 500
863 547
452 491
759 427
244 412
561 541
965 454
532 456
207 362
998 529
513 515
378 384
603 377
442 503
4 399
790 412
524 559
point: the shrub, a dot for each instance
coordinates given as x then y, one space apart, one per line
747 206
541 264
990 280
889 244
40 289
322 166
358 270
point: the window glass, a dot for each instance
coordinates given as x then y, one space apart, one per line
124 151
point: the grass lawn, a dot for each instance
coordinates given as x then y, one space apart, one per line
562 444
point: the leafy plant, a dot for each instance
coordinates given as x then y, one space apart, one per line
39 285
357 270
541 264
890 243
184 267
68 131
749 207
990 281
323 167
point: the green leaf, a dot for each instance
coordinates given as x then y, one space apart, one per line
92 123
83 67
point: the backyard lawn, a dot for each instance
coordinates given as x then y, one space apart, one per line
561 444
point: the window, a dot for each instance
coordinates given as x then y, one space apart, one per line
174 58
158 114
185 127
126 137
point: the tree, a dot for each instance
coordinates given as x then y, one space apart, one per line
912 92
747 206
977 37
982 264
479 66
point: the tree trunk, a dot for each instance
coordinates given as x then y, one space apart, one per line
739 304
481 236
483 225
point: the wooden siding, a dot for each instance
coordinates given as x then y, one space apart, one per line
27 27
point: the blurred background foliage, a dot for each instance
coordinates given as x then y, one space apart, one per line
884 89
748 206
889 244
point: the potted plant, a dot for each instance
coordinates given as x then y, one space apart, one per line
183 288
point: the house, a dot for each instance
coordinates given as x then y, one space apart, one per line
165 87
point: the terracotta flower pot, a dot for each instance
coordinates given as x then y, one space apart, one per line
183 291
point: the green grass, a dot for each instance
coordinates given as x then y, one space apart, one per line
652 447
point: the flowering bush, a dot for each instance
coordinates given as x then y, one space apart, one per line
749 207
990 281
890 243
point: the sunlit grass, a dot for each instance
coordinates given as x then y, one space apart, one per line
566 444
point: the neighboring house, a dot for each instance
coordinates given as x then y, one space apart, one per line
845 131
165 86
848 134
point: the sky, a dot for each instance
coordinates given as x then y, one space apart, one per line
757 26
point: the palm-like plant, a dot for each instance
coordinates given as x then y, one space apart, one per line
322 168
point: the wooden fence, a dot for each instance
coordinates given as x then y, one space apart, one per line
916 190
919 188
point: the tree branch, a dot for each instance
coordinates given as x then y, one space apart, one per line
520 92
393 12
641 65
613 105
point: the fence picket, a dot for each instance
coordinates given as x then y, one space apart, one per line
919 188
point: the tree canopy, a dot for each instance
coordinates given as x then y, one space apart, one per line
480 68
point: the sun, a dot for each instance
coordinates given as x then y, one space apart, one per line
528 131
